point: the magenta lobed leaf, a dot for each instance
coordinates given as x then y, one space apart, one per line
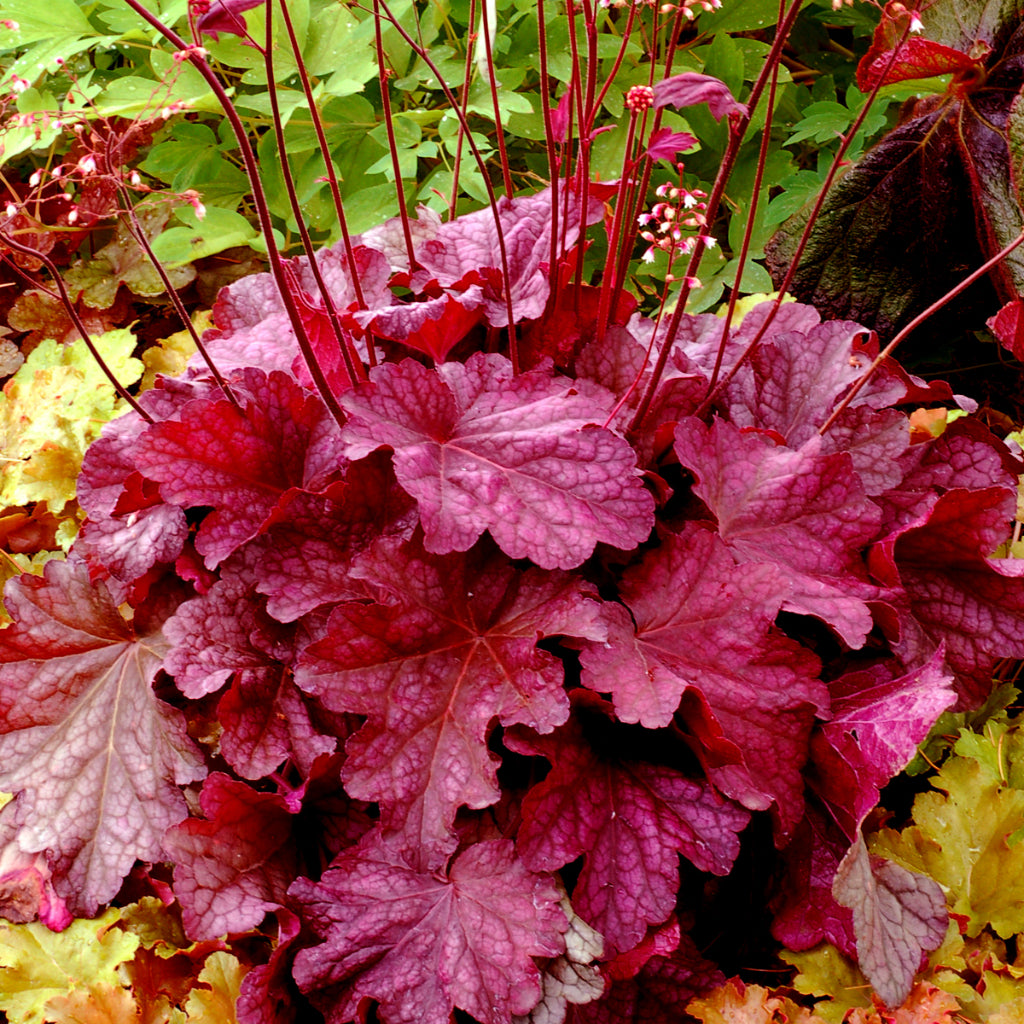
799 509
630 821
698 622
423 943
233 868
310 540
241 462
806 913
655 993
453 649
464 252
520 456
665 144
877 722
691 88
956 594
223 16
94 758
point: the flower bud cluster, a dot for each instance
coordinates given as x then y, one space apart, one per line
640 97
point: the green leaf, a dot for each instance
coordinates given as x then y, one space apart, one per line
43 21
960 839
219 230
37 965
748 16
52 409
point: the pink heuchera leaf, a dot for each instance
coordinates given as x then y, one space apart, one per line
914 57
699 622
223 16
26 889
128 546
253 329
465 251
235 867
266 995
806 912
94 758
966 455
433 326
242 462
654 990
1008 326
801 510
423 943
796 379
560 117
665 144
452 650
877 722
480 449
631 821
898 915
691 88
225 634
957 594
310 540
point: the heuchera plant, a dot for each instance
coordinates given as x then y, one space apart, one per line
466 645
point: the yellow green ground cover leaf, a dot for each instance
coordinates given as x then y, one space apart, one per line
52 409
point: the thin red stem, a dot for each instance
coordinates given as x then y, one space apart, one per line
914 324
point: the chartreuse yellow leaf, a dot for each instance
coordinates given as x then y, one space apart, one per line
170 356
212 1000
736 1003
52 409
37 965
825 974
963 833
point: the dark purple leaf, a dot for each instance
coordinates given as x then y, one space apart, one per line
889 219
